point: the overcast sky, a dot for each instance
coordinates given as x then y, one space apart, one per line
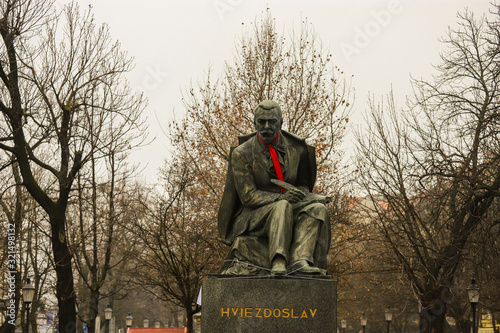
380 42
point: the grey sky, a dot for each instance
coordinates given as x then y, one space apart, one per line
380 42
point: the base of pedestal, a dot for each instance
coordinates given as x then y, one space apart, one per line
256 304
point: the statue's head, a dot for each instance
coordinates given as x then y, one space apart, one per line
268 120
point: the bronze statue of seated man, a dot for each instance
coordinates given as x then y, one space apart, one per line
268 215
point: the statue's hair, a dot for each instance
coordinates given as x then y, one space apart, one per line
268 105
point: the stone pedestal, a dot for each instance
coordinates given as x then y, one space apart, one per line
253 304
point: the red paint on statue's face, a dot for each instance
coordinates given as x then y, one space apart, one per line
268 124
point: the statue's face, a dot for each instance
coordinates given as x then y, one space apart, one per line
268 124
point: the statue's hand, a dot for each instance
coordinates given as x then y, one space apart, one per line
293 195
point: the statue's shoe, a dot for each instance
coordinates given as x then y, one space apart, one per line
304 268
278 268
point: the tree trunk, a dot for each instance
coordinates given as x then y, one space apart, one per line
463 326
494 321
93 310
433 314
7 328
189 319
431 322
175 316
64 287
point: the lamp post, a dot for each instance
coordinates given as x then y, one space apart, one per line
343 324
388 318
473 292
108 314
28 294
363 320
128 321
157 324
145 322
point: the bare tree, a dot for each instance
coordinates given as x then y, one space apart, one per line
177 241
296 72
438 164
369 279
62 92
484 254
98 219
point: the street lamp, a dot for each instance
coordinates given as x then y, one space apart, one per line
388 318
28 294
146 322
363 320
473 291
108 314
157 324
343 324
128 321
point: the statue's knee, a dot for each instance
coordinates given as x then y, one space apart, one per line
283 205
319 207
318 211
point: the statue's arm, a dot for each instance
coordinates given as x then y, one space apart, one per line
244 182
307 170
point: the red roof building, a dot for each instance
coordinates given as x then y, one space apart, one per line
157 330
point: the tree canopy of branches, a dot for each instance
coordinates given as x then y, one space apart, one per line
98 226
63 98
295 72
176 240
438 164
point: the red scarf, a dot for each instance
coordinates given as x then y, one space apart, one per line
274 157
